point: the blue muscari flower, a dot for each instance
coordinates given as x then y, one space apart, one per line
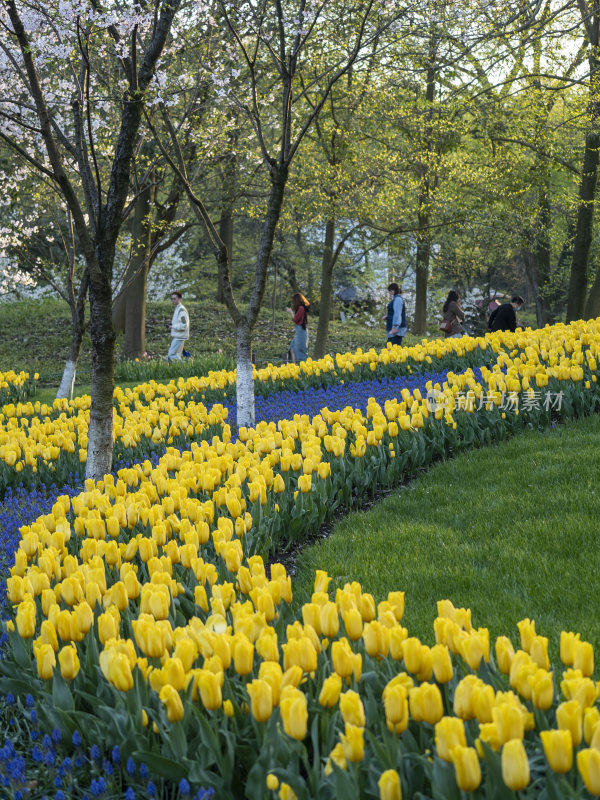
184 787
46 742
79 761
56 735
33 716
67 764
76 738
60 795
144 770
116 754
34 734
10 699
49 758
37 755
18 795
130 767
95 752
107 767
58 782
29 701
151 789
129 794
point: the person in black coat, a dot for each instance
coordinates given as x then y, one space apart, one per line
504 318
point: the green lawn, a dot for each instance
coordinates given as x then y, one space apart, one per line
509 531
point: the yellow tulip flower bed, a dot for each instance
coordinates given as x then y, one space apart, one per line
16 386
44 444
143 606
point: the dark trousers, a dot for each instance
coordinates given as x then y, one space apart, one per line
395 339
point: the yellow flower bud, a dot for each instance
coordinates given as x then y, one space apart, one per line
588 764
330 691
558 747
515 765
294 712
69 662
449 733
353 743
466 768
169 697
389 785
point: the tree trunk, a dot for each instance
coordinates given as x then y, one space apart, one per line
583 232
529 265
326 290
592 306
100 433
422 273
425 191
226 234
129 310
245 377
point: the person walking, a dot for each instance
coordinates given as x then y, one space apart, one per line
180 328
395 322
504 318
299 312
453 315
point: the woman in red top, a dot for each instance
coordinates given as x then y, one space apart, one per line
299 313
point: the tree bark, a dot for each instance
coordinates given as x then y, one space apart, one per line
226 235
583 232
129 309
423 219
67 382
244 377
100 433
326 290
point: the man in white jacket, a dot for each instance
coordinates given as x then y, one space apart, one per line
180 328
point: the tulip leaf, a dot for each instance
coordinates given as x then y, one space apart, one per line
166 767
61 694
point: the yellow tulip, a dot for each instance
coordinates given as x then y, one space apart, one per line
389 785
515 765
509 722
426 703
169 697
116 669
330 690
442 663
449 733
243 655
352 709
466 768
69 662
46 661
558 747
353 743
588 764
569 717
395 704
294 712
542 689
261 699
26 616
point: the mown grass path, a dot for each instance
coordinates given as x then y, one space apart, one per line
511 531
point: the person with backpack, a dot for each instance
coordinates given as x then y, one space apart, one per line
504 318
396 315
299 347
180 328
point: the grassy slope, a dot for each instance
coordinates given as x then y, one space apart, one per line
34 336
510 531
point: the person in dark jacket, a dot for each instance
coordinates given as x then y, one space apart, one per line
396 315
504 318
